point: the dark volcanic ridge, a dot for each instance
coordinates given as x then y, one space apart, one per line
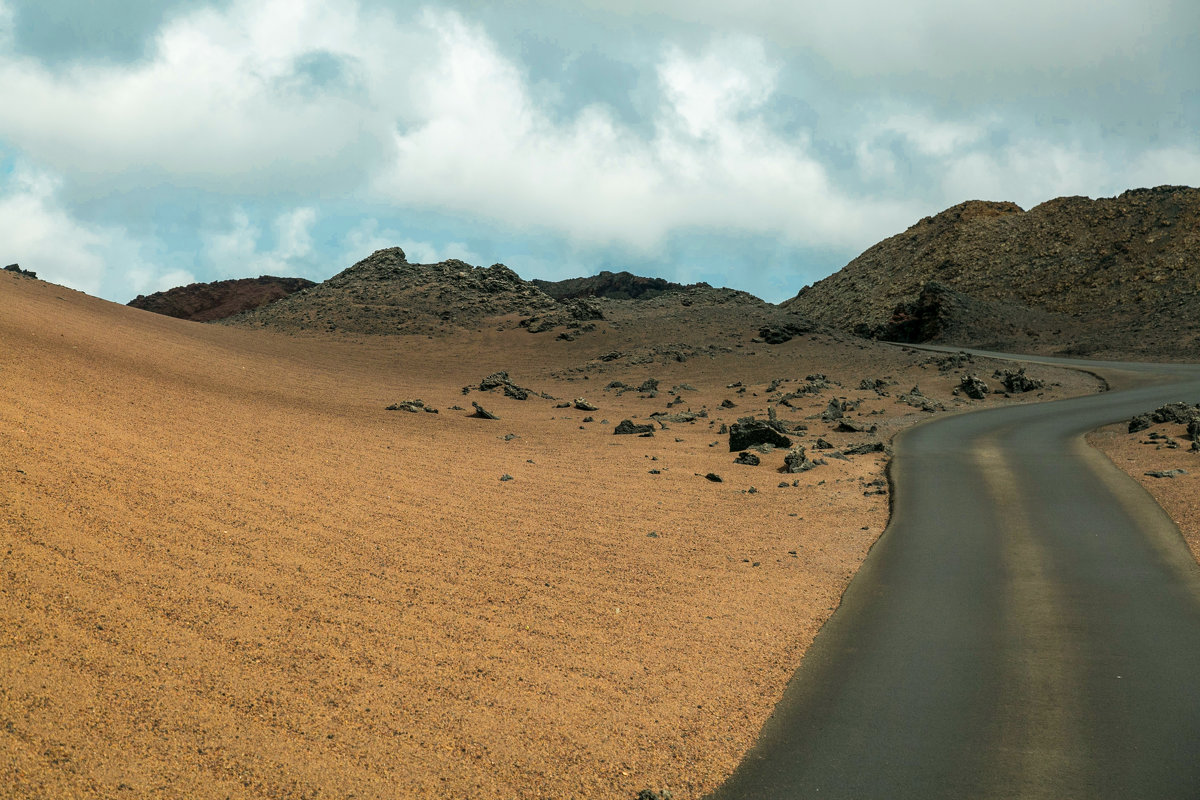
613 285
206 302
385 294
1112 276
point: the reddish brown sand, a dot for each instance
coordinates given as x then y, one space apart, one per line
227 571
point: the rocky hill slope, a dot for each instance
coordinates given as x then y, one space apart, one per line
205 302
385 294
1114 276
613 285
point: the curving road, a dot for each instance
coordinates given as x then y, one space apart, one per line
1028 626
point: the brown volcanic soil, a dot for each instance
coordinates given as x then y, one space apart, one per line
205 302
1115 277
227 571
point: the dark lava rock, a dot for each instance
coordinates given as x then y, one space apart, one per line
850 426
506 477
917 400
1180 413
749 459
973 387
412 406
727 403
483 413
648 385
747 432
627 426
714 477
863 449
1017 382
28 273
515 392
1166 473
823 444
778 334
584 405
1139 423
797 461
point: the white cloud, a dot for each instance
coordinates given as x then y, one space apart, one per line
38 233
236 252
227 100
945 40
366 237
713 160
143 280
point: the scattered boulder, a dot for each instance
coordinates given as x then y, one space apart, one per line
648 386
797 461
915 399
584 405
1180 413
876 385
778 334
506 477
1017 382
863 449
1166 473
502 381
822 444
851 426
714 477
627 426
747 458
973 387
748 431
1139 423
412 406
482 413
727 403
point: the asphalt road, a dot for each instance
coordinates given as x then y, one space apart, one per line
1028 626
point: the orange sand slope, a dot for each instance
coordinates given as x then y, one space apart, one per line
227 571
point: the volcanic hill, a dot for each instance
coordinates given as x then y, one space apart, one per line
1113 277
205 302
384 294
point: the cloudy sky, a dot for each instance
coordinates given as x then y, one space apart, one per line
148 144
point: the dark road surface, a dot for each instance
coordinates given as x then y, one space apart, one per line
1028 626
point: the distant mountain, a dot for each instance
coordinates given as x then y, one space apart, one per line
205 302
614 285
1116 275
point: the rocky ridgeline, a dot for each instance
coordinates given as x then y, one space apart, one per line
1071 275
385 294
612 285
205 302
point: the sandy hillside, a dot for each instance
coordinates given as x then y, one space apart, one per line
227 571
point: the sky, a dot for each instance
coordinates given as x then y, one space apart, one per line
761 146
